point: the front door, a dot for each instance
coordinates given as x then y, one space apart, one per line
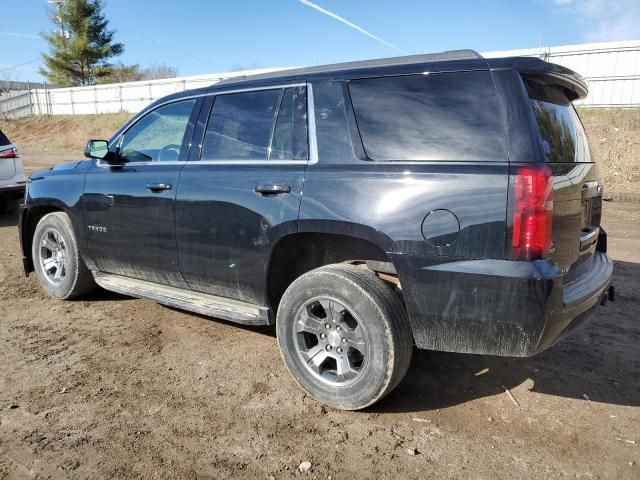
130 208
242 193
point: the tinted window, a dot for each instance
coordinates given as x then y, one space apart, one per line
332 129
445 116
3 139
158 136
563 137
290 134
240 125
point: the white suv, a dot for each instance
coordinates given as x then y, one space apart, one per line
12 179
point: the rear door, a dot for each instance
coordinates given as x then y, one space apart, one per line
577 188
241 189
7 158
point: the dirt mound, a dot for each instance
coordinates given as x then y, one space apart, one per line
61 133
614 138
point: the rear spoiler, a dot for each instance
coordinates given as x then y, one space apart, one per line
572 82
575 87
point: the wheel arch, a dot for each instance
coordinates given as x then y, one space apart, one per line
30 218
300 252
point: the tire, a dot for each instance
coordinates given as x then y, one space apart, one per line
354 310
60 269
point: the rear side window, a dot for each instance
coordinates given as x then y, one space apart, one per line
240 125
443 116
3 139
332 128
258 125
290 134
561 132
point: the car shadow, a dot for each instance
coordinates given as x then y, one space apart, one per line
99 294
268 330
9 219
600 360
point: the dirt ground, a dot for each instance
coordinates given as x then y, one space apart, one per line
114 387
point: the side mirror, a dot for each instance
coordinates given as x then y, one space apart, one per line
96 149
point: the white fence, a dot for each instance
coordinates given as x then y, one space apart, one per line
612 71
110 98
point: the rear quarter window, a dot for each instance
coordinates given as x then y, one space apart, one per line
3 139
443 116
562 135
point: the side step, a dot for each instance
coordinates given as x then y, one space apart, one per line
202 303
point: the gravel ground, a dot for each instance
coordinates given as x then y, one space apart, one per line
114 387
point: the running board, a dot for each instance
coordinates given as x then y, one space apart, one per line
202 303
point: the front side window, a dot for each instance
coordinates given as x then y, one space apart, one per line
441 116
159 135
258 125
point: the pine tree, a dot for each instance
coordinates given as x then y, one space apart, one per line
81 44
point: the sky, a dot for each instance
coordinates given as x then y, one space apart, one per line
200 37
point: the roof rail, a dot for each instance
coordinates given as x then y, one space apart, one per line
449 55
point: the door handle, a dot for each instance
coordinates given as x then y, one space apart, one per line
158 187
273 189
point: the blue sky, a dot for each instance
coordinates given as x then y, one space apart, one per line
214 36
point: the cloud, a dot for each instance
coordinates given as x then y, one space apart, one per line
605 20
21 35
349 24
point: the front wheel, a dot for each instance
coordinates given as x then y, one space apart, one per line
58 265
344 335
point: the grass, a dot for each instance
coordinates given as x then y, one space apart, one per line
61 133
614 138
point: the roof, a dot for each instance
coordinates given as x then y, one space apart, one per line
448 56
453 60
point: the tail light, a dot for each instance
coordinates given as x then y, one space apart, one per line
533 212
9 153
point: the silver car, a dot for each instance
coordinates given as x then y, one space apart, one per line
12 179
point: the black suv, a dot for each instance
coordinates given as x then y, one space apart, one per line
445 200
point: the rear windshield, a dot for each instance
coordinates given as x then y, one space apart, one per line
3 139
561 131
442 116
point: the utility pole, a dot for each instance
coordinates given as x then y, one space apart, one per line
60 4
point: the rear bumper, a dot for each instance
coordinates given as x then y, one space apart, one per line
579 299
498 307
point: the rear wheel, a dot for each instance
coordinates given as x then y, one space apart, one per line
344 335
58 265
